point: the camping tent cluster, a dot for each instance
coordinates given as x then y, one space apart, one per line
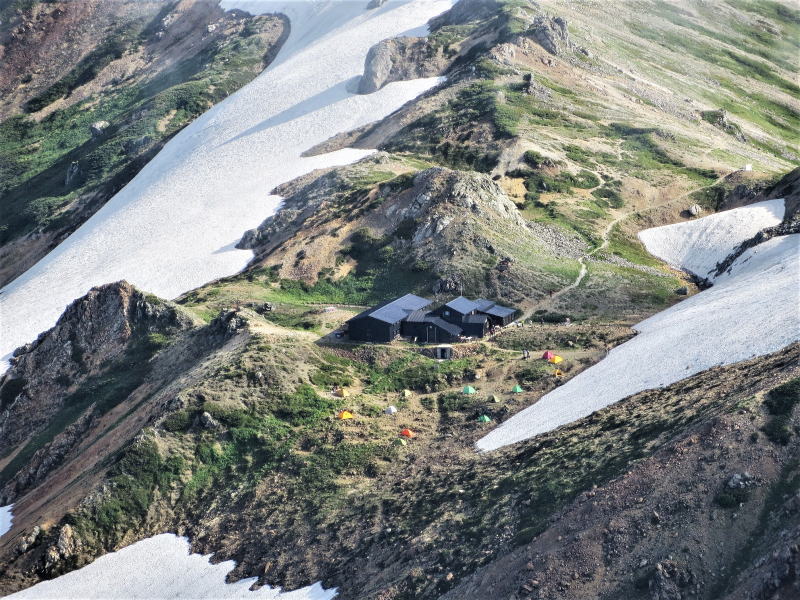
554 359
410 316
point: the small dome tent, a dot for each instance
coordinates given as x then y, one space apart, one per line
468 389
344 415
390 410
556 359
407 433
548 355
484 419
517 389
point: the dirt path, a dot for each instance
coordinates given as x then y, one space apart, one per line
604 244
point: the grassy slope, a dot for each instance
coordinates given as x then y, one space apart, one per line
280 458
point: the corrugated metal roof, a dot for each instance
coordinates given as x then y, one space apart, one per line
394 310
418 316
500 311
483 304
462 305
490 308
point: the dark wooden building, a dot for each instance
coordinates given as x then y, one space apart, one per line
428 328
383 323
457 309
475 325
497 315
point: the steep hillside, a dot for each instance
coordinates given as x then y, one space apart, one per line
243 434
527 152
91 91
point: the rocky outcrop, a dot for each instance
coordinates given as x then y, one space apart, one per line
441 195
550 33
93 331
720 120
400 59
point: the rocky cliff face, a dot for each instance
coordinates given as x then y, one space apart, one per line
92 333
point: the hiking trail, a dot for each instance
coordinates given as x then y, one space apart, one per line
604 244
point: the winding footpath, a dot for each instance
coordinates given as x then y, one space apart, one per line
605 236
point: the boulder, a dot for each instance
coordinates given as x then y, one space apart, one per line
400 59
208 422
98 127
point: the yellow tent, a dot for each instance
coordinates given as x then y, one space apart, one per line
341 392
556 359
344 415
558 373
406 393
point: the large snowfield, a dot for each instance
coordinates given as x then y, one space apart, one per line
750 311
175 225
159 567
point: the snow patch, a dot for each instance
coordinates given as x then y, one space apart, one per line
159 567
175 225
749 312
5 519
697 246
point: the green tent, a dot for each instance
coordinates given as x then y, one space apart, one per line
484 419
517 389
400 442
468 389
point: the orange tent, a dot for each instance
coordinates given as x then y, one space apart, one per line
344 415
548 355
407 433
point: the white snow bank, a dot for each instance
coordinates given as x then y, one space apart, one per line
5 518
750 312
697 246
155 568
175 225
